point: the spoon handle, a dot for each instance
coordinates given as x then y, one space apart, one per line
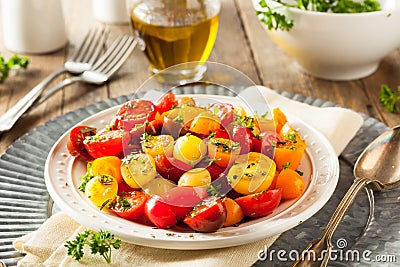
317 253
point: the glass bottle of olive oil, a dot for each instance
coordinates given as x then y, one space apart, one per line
175 31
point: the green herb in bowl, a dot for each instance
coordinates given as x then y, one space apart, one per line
276 20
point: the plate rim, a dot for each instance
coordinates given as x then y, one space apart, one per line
199 244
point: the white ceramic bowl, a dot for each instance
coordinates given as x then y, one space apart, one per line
340 46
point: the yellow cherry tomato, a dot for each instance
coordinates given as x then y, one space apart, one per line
158 145
190 149
138 169
195 177
110 165
101 189
251 173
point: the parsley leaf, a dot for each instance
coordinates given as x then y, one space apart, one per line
389 99
14 62
101 243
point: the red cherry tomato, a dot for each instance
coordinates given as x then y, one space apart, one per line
123 187
260 204
224 111
134 112
108 143
159 213
182 199
214 170
154 127
75 144
130 205
166 102
171 168
244 137
221 133
266 145
208 216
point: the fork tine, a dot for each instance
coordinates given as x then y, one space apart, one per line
121 57
108 56
92 37
114 56
83 46
96 47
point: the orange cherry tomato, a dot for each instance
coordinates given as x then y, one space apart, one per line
288 155
223 151
234 213
279 119
110 165
291 184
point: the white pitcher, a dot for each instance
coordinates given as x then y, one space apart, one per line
33 26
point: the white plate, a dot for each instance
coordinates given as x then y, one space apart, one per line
321 172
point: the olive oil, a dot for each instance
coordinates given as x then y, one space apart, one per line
166 45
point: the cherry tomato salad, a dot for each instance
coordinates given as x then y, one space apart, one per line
174 162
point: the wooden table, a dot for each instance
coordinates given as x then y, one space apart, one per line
241 43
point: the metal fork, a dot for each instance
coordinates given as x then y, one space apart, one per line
81 60
100 73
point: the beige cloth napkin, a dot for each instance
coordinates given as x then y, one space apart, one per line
45 246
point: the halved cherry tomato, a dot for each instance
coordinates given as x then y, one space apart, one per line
107 143
171 168
244 137
154 127
110 165
130 205
214 170
159 213
234 213
260 204
220 133
134 112
166 102
182 199
208 216
224 111
223 151
266 142
75 144
288 155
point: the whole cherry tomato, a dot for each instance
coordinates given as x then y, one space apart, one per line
134 112
75 144
224 111
171 168
107 143
244 137
166 102
208 216
182 199
130 205
159 213
260 204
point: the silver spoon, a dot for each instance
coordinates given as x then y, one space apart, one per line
377 168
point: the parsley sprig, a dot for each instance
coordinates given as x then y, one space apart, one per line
277 20
389 99
14 62
101 243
